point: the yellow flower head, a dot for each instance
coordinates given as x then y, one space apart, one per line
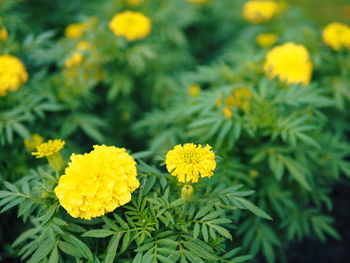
190 162
3 34
74 60
75 31
131 25
266 40
12 74
33 141
337 36
49 148
256 12
194 90
134 2
290 63
83 45
98 182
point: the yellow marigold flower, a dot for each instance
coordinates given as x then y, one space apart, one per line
131 25
75 31
290 63
266 40
12 74
83 45
51 150
260 11
227 111
194 90
33 141
190 162
3 34
134 2
98 182
337 36
74 60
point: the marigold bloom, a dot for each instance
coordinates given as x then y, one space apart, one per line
3 34
74 60
12 74
51 150
290 63
33 141
98 182
260 11
194 90
266 40
131 25
337 36
190 162
75 31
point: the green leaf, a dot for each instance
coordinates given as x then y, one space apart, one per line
252 208
43 250
112 248
69 249
54 255
98 233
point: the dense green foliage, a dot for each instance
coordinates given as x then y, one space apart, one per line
278 157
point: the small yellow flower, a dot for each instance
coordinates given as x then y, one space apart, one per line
134 2
190 162
12 74
131 25
51 150
33 141
337 36
83 45
98 182
74 60
194 90
227 111
266 40
253 173
290 63
260 11
3 34
75 31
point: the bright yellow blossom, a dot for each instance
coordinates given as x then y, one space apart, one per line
194 90
290 63
3 34
33 141
256 12
74 60
131 25
266 40
12 74
51 150
190 162
98 182
337 36
75 31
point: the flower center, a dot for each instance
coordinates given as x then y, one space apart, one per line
191 157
